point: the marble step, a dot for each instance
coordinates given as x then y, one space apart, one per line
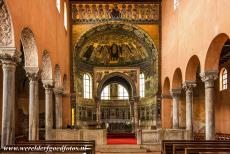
122 150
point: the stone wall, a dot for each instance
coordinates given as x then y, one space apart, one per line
100 135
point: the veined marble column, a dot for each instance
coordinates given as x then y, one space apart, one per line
188 87
135 113
176 98
136 118
58 107
48 85
8 102
33 104
132 115
208 78
98 113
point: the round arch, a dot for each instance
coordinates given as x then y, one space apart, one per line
166 87
214 51
135 31
177 79
119 78
29 48
6 28
191 69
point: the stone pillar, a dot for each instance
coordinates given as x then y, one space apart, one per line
58 107
98 113
33 104
135 113
48 85
132 115
208 78
8 102
188 87
176 98
136 118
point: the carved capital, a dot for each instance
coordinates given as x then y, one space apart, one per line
175 92
58 91
32 73
48 84
189 85
9 55
208 78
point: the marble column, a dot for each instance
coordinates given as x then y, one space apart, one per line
208 78
48 85
136 118
33 104
188 87
132 114
135 113
98 113
58 92
8 102
176 98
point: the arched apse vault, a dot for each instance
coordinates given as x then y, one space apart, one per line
214 51
191 69
123 38
46 66
29 48
6 27
177 79
119 78
58 79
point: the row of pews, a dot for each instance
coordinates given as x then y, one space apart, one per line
51 146
195 147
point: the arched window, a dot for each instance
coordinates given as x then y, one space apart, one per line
142 85
122 92
65 15
87 84
58 5
223 79
105 94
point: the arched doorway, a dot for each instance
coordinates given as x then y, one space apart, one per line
116 93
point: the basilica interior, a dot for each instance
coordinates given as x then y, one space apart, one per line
143 70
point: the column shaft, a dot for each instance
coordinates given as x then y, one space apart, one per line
58 107
48 110
188 86
98 112
136 118
209 110
33 110
176 98
208 78
8 108
132 119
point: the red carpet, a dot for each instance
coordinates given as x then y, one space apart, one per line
121 141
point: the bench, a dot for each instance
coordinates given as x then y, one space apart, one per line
178 146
